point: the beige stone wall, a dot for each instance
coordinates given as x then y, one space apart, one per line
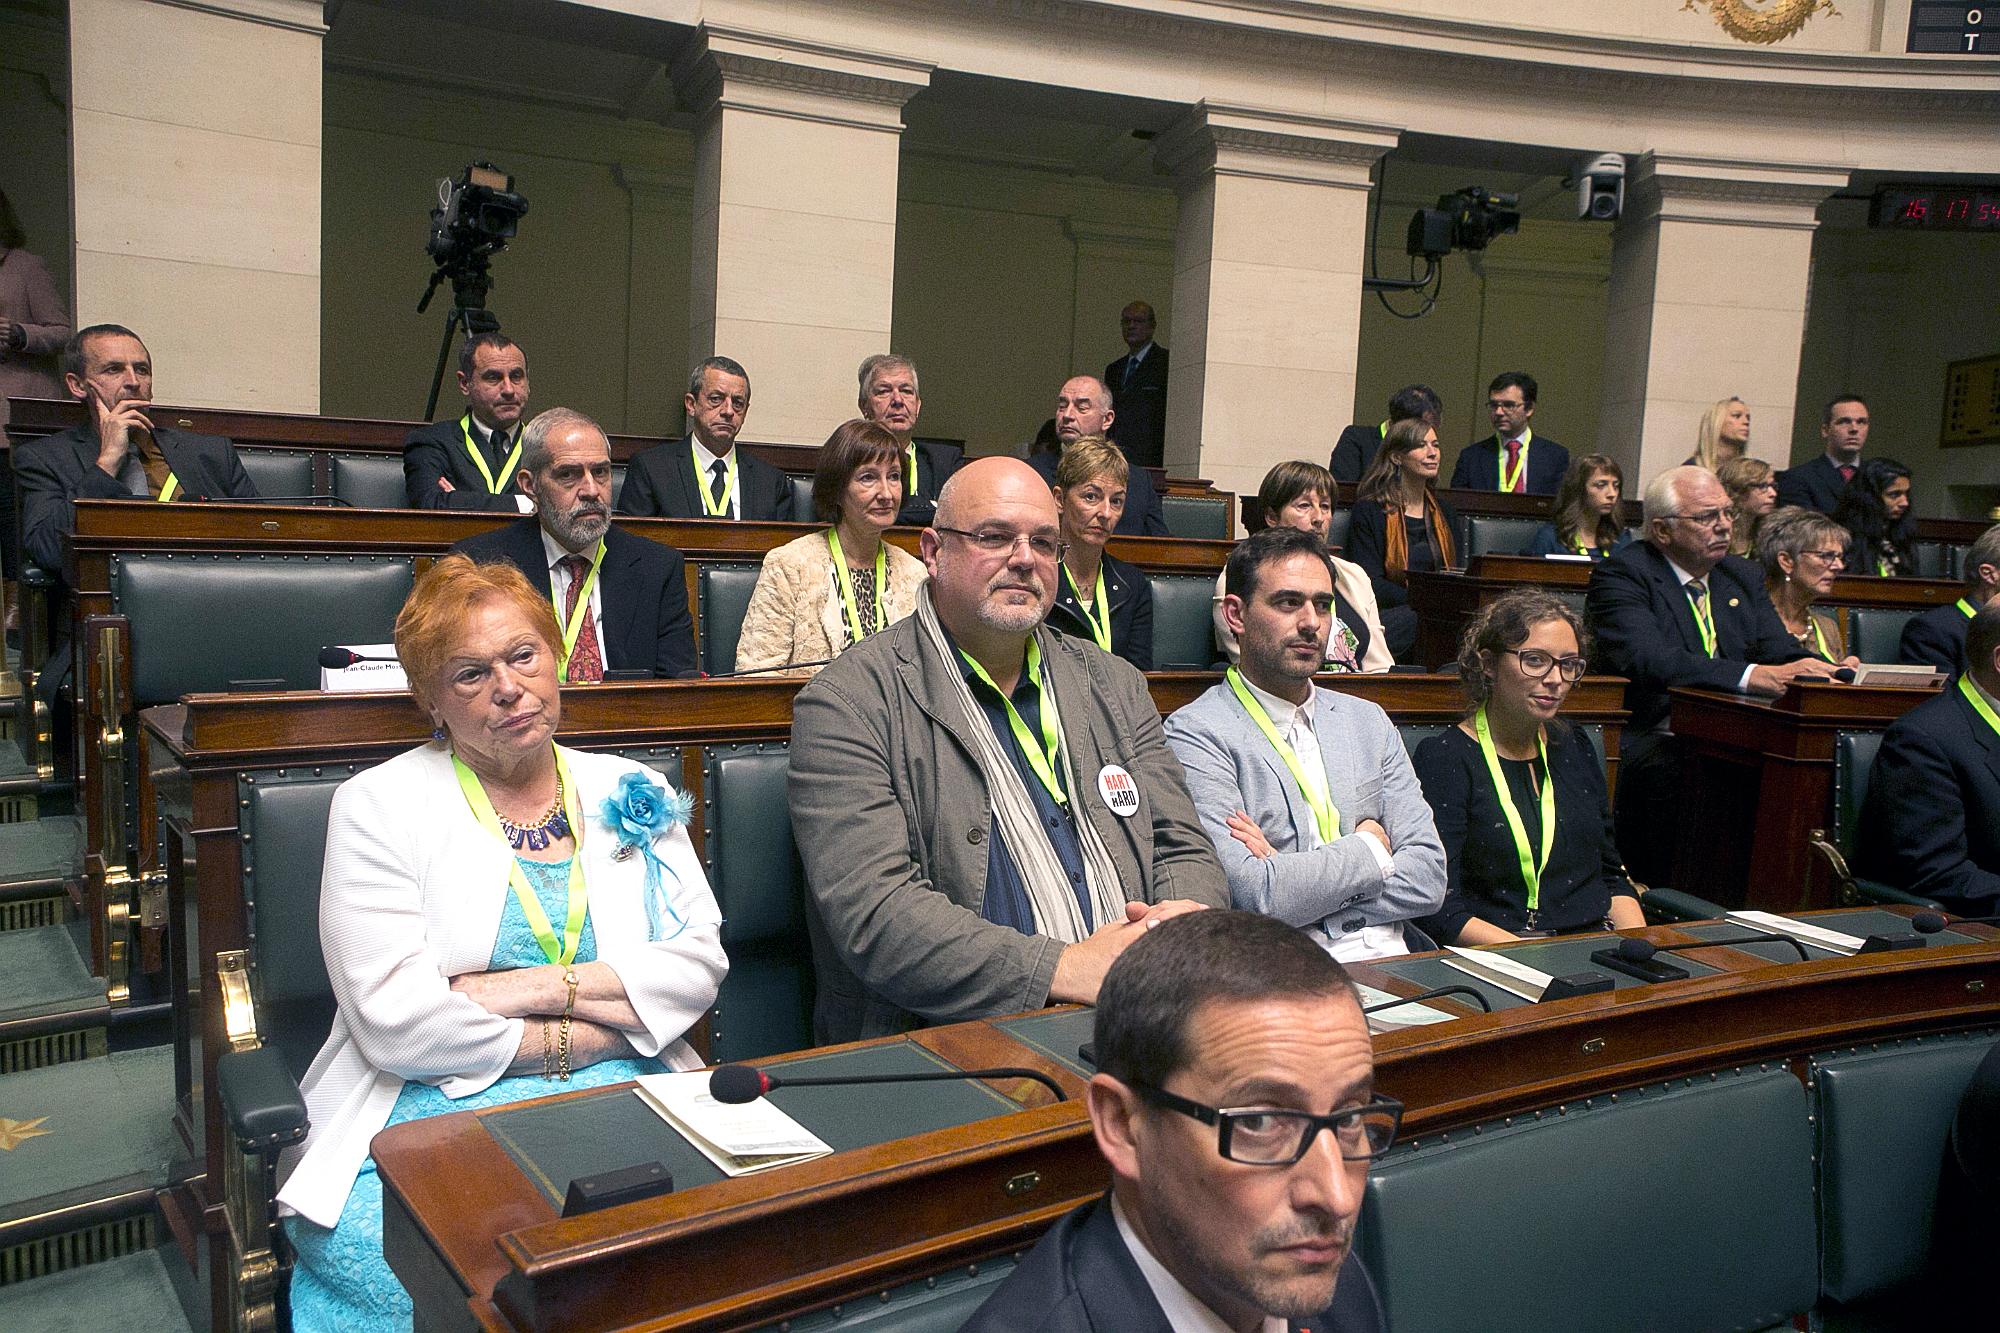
1856 26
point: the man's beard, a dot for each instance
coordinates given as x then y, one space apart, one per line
579 526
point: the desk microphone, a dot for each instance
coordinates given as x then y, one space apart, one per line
1641 951
759 671
339 659
1435 992
735 1084
1930 923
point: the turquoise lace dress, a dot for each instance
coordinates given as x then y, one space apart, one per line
341 1281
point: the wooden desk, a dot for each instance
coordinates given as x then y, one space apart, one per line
481 1246
1759 779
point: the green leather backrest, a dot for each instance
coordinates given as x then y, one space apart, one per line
202 621
1688 1206
1934 559
1336 531
278 471
370 481
1883 1115
939 1304
802 500
1196 516
1183 622
283 823
723 594
1853 761
1874 633
1487 534
767 999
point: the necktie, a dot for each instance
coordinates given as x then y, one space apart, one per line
586 660
1131 365
153 461
1704 615
1846 471
718 477
1513 465
496 447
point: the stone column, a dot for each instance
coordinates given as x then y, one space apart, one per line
656 268
1710 269
195 158
794 249
1268 258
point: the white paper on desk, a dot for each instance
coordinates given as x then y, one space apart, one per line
1497 969
1564 555
365 675
1409 1014
1798 930
754 1136
1895 674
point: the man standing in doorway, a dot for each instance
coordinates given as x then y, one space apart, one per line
1138 384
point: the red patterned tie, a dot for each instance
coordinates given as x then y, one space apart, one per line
1846 471
1514 462
586 661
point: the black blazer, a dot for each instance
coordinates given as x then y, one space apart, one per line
1140 423
437 451
1816 485
1081 1278
1355 450
1144 515
660 483
1931 824
641 583
1645 628
1935 638
936 461
1478 467
1368 547
1129 598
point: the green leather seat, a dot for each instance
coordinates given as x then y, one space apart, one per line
1488 534
1874 633
1688 1206
753 866
1933 559
1196 516
802 500
370 481
284 851
1853 761
277 472
723 595
200 622
1183 623
1336 531
1883 1116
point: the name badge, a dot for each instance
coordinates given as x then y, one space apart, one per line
1120 793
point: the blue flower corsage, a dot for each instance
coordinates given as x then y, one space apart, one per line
639 811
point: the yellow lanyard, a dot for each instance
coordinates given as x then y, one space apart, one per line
1100 624
1963 605
167 491
479 458
847 585
910 470
1324 813
1819 639
1531 869
1979 705
581 614
555 951
1042 758
1704 620
1582 549
1520 463
711 506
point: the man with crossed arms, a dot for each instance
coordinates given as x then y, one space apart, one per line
472 463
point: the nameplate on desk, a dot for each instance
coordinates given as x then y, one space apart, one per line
1495 969
741 1139
368 675
1396 1016
1818 936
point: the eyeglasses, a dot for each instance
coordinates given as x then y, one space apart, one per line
1535 662
1827 557
998 541
1762 486
1266 1136
1707 518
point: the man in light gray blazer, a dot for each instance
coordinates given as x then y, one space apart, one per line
1308 795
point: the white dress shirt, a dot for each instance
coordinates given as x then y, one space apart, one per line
1185 1312
705 460
555 553
1743 681
483 437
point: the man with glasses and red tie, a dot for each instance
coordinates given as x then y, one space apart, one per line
986 810
1235 1104
1513 459
1676 610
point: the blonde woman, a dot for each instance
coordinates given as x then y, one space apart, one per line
1724 433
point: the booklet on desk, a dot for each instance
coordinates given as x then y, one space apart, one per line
1833 941
754 1136
1496 969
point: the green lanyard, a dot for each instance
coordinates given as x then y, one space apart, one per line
563 952
1963 605
1582 549
910 470
1531 869
1322 807
1881 568
1100 624
1819 639
479 458
167 491
1979 705
1704 620
1520 464
847 585
711 506
1045 757
578 616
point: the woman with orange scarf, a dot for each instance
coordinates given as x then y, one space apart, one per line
1399 525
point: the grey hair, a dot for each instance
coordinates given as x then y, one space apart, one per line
721 363
535 436
1663 493
884 361
1985 550
1789 531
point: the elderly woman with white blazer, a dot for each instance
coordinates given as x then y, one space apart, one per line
501 918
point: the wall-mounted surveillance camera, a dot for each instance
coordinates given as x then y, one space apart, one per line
1600 187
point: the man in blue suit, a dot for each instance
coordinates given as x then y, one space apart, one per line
1513 458
1817 484
1931 824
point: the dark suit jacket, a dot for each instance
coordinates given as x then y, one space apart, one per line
1935 638
641 584
936 461
1478 467
1081 1278
1355 450
1140 426
1646 631
1144 515
1368 547
1931 824
660 483
1816 485
437 451
1129 598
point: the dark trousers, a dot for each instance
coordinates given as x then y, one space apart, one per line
1650 795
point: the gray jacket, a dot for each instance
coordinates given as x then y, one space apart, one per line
1231 767
891 816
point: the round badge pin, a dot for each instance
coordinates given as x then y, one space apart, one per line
1120 793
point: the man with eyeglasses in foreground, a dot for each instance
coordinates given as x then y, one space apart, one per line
1235 1104
986 810
1677 610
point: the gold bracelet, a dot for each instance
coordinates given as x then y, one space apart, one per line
548 1054
562 1051
569 979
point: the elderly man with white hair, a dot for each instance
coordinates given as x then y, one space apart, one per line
1677 609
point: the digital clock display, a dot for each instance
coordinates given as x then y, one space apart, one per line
1936 208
